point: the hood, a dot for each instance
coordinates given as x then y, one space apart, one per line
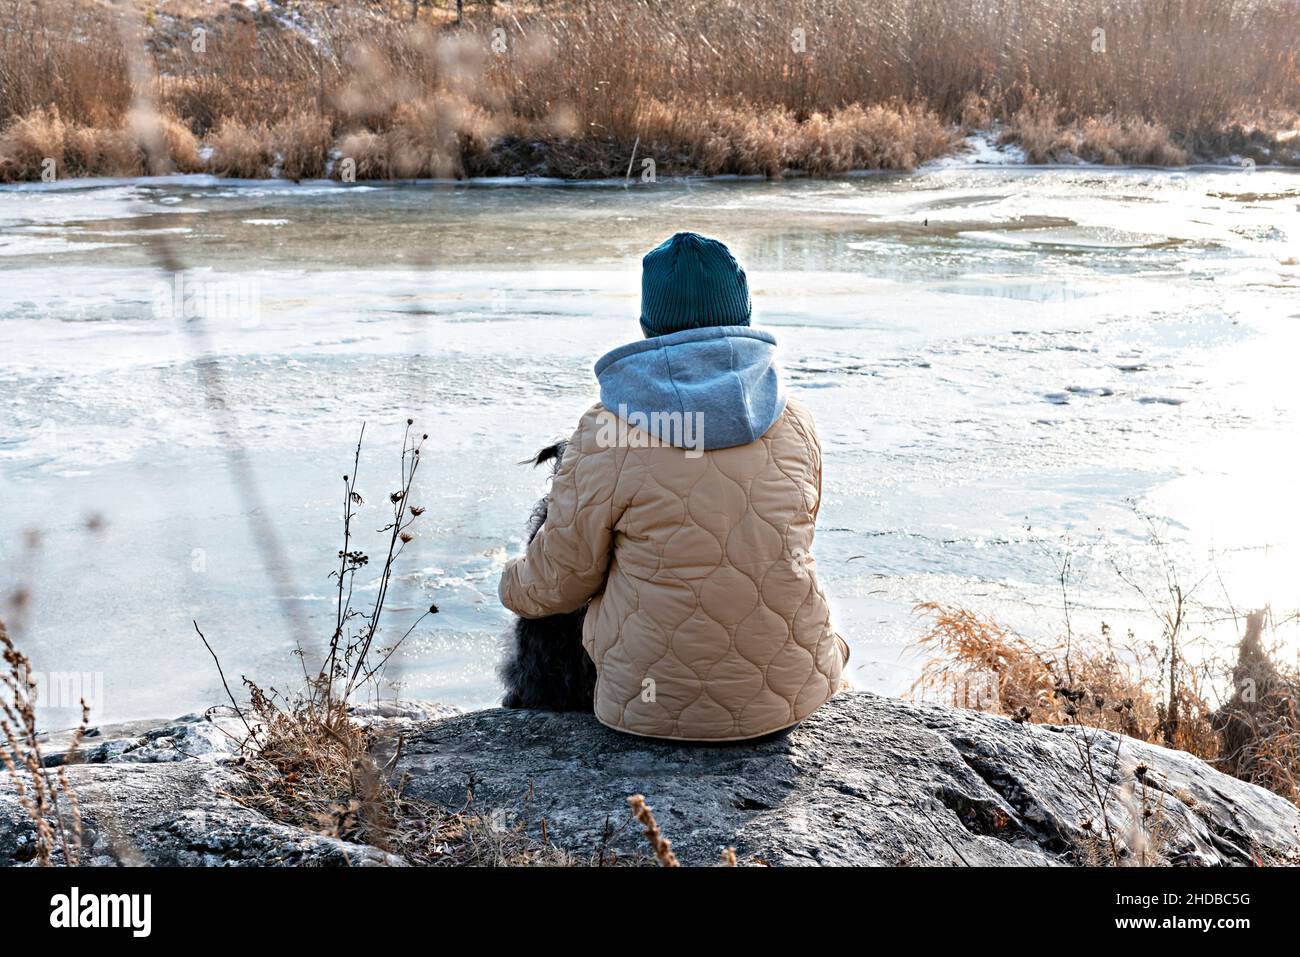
710 388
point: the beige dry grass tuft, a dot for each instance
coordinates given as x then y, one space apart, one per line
241 150
1144 693
1040 129
45 140
303 142
181 145
977 662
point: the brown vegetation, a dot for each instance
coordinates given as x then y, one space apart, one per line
240 150
1040 129
1151 692
589 89
662 847
1259 726
47 798
309 761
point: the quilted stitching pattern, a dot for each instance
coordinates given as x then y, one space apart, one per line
706 621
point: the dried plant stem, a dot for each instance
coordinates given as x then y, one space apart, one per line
229 694
346 570
662 846
38 792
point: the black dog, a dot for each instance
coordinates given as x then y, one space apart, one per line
545 666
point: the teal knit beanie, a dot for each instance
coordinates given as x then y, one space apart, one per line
690 281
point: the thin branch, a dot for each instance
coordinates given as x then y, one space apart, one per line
235 704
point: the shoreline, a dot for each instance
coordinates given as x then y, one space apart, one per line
949 163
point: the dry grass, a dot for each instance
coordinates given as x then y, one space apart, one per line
571 89
1133 829
1143 692
977 662
662 847
1259 726
44 144
319 769
43 140
48 799
62 56
308 762
1040 129
1146 693
304 143
180 145
240 150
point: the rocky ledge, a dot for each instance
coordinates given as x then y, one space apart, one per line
866 780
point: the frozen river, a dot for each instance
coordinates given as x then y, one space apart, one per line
997 359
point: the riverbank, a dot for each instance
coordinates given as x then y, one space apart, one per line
301 90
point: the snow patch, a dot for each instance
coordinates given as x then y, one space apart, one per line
981 149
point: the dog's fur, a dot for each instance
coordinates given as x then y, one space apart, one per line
545 666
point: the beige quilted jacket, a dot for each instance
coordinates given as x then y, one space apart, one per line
706 622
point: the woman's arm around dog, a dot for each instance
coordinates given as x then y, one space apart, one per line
567 561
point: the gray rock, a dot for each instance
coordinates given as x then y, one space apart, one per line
176 813
865 780
191 736
157 793
402 715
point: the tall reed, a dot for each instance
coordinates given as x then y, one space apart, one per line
573 87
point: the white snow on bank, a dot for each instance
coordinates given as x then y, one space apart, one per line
980 149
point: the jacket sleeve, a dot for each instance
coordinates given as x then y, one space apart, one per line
568 559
